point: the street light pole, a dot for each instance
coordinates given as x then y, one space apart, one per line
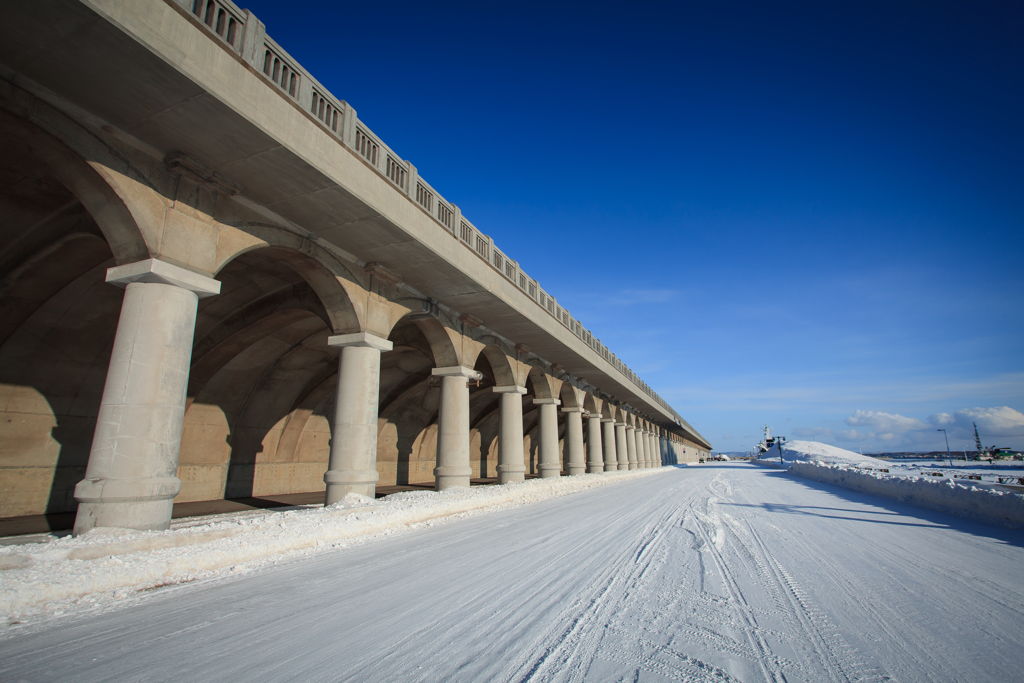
950 455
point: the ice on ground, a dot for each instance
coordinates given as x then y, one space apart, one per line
814 451
114 563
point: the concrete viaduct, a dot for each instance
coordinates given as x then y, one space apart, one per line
217 282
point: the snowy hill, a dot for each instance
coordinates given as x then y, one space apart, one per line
813 451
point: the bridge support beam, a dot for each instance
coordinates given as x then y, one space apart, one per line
642 448
595 454
574 441
511 465
653 453
549 465
352 465
453 428
131 479
608 438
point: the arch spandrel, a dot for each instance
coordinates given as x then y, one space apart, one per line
445 343
570 396
501 365
543 384
84 180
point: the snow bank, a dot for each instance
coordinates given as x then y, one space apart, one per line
813 451
107 564
945 495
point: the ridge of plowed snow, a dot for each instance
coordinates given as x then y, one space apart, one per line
106 564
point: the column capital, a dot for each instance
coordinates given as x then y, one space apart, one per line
509 389
364 339
572 409
547 402
154 271
457 371
607 419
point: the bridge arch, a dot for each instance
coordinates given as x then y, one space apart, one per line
343 294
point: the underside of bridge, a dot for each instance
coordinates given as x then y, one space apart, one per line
82 198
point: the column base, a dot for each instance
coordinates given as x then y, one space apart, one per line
340 483
548 471
509 473
450 477
143 504
595 469
576 469
144 515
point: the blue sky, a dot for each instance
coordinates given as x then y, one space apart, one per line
805 214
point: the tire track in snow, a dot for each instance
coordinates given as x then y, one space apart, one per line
575 639
770 665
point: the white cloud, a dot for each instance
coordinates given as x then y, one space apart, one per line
853 435
992 423
886 425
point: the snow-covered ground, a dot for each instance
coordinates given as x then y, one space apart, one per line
726 572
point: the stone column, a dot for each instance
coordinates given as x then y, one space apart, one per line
662 443
131 479
611 460
595 454
511 463
653 453
631 447
574 441
352 466
549 465
621 450
453 427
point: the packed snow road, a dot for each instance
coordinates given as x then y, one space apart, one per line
727 572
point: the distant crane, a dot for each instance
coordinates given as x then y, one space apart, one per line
991 452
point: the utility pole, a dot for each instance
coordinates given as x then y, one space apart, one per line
950 455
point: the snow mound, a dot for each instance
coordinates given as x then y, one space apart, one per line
814 451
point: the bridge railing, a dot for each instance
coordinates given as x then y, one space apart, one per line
243 33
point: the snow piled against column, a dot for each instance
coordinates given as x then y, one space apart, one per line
107 563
